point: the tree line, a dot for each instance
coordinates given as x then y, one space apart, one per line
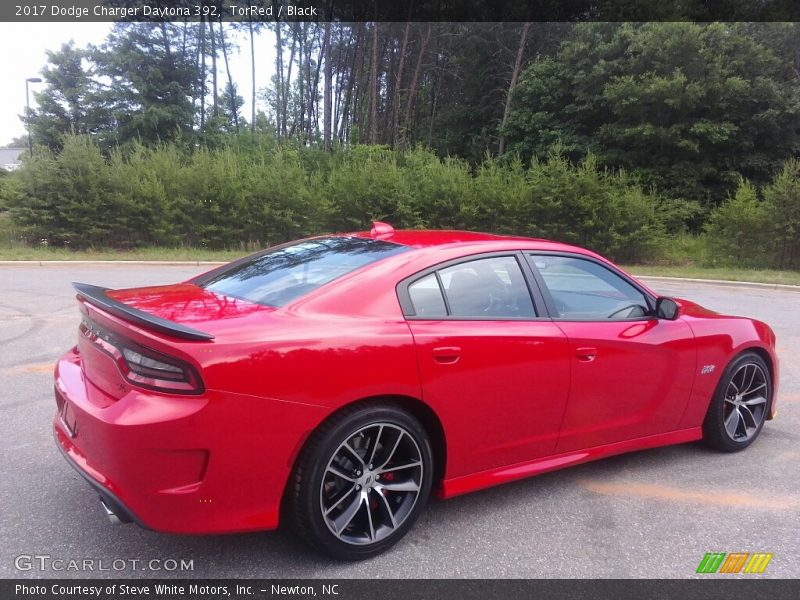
442 84
684 112
251 192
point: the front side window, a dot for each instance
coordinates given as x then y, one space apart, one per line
584 290
284 274
490 288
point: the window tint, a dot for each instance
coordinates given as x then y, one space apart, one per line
279 276
487 287
582 289
426 297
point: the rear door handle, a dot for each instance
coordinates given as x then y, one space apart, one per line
446 354
586 354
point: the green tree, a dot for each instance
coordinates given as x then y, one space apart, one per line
596 208
65 198
231 104
469 82
152 78
17 142
782 203
687 107
219 129
69 102
738 230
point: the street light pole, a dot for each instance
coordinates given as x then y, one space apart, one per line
28 109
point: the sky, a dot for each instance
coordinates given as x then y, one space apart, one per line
22 55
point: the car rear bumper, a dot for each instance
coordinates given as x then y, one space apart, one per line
110 502
213 463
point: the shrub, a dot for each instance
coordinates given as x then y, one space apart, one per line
782 204
753 232
601 210
737 230
65 198
249 193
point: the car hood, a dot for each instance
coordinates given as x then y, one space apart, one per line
692 309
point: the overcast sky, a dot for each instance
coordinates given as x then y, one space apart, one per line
22 55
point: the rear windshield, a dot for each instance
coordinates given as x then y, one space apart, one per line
281 275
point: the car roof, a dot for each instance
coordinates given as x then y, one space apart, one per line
430 238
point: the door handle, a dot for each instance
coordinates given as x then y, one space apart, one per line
447 354
586 354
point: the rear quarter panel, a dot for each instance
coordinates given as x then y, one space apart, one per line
327 360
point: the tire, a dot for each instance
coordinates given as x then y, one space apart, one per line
362 480
740 404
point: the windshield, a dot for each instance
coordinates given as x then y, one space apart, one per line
281 275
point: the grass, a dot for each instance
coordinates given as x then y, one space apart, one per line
161 254
719 273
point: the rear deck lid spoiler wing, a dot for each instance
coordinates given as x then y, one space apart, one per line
97 296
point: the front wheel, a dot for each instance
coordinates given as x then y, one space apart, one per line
361 482
740 404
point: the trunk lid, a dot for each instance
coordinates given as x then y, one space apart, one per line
191 305
175 321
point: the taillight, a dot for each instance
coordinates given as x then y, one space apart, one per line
148 368
144 366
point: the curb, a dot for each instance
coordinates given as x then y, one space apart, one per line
725 282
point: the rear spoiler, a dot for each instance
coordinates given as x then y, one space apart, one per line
96 295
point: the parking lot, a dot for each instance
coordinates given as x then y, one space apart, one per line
649 514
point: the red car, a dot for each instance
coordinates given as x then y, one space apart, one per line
338 381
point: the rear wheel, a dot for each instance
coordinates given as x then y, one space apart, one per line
362 481
740 404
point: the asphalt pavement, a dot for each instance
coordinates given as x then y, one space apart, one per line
648 514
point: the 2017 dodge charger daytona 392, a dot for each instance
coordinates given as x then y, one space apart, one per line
337 382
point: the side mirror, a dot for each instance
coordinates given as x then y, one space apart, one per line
667 308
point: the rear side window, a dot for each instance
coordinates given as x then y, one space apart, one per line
286 273
485 288
489 287
426 296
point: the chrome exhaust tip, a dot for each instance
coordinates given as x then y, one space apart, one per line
112 516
